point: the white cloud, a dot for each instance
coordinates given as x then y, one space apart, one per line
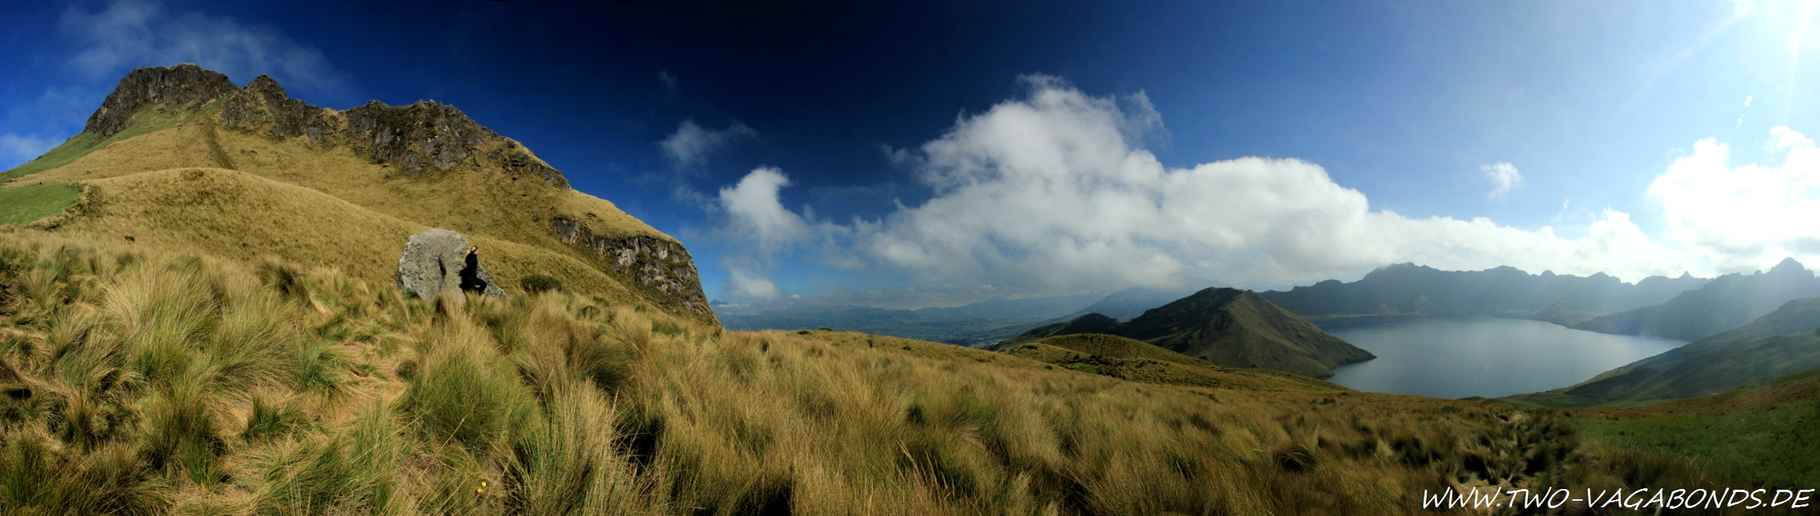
134 33
691 145
755 212
743 283
1504 177
1051 192
15 149
1742 218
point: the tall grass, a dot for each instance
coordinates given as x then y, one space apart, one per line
184 384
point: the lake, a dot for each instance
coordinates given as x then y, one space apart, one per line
1484 356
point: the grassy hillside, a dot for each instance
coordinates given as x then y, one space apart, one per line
22 204
149 119
1782 342
485 199
1139 361
244 217
1763 433
141 382
1119 347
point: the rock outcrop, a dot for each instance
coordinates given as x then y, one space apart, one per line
264 104
417 137
178 85
662 266
432 262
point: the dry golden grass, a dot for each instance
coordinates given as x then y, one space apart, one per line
326 206
176 383
212 211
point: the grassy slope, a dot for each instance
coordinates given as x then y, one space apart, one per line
509 215
1119 347
207 210
139 382
151 118
1139 361
22 204
1763 434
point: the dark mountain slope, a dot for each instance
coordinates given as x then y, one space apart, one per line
1727 302
1226 327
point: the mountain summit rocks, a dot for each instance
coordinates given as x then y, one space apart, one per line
432 262
184 84
414 137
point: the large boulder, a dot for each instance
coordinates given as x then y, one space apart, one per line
432 262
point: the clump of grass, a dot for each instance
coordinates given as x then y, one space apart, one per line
356 471
182 435
37 479
540 283
267 421
459 396
564 461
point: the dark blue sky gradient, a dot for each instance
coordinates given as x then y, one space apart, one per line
1403 101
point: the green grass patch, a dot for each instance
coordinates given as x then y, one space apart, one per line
1777 446
29 203
150 118
1085 368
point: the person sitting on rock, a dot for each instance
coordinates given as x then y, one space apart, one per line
470 273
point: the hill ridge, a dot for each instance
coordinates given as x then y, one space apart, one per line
425 163
1223 326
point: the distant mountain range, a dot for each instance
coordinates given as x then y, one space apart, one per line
1780 342
1409 289
1725 303
1223 326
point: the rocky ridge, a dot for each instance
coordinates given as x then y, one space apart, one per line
422 137
184 84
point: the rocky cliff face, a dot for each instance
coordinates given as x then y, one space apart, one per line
662 266
181 84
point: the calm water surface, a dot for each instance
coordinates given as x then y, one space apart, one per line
1484 356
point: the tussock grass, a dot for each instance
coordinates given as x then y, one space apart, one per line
172 383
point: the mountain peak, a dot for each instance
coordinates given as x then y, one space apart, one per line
1787 266
182 84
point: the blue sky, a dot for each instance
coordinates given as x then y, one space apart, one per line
913 153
